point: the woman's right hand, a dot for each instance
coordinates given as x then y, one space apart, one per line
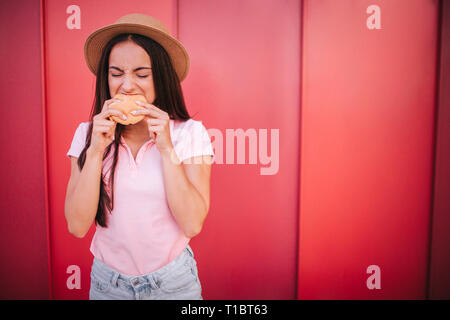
103 129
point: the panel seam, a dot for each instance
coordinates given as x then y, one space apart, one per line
45 148
434 150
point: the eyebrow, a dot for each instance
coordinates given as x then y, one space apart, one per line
137 69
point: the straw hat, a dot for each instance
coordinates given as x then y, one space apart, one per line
141 24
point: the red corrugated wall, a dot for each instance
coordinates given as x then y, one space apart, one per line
439 277
70 93
361 116
368 111
249 211
23 249
245 74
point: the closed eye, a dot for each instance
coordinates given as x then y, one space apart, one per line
118 75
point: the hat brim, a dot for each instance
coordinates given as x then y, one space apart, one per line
97 40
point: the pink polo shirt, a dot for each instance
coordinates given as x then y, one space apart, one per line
142 234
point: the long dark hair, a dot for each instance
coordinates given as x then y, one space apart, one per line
169 97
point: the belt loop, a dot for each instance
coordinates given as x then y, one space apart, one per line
114 279
190 250
153 281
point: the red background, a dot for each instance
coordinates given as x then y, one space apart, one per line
367 148
363 123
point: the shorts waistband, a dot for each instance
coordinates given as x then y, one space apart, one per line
106 272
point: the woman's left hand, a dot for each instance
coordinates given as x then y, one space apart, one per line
158 122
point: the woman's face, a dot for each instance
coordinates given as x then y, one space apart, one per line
130 71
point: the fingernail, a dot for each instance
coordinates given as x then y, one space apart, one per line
133 112
124 117
139 102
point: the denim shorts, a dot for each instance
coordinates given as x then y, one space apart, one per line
178 280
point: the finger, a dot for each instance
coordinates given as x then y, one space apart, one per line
148 105
101 129
152 134
102 125
109 103
156 129
155 121
110 134
105 122
151 107
147 112
115 112
104 114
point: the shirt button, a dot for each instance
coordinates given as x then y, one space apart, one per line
136 282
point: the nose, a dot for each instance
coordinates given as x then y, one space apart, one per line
128 84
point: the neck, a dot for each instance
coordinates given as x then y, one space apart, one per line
137 131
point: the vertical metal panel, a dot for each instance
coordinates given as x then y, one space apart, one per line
245 74
70 93
440 253
23 249
367 148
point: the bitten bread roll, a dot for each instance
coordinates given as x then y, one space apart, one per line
127 105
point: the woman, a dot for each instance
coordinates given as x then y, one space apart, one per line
147 184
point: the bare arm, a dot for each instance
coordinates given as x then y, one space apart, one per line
83 192
83 189
187 188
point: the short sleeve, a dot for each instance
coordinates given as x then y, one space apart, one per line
79 140
193 141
